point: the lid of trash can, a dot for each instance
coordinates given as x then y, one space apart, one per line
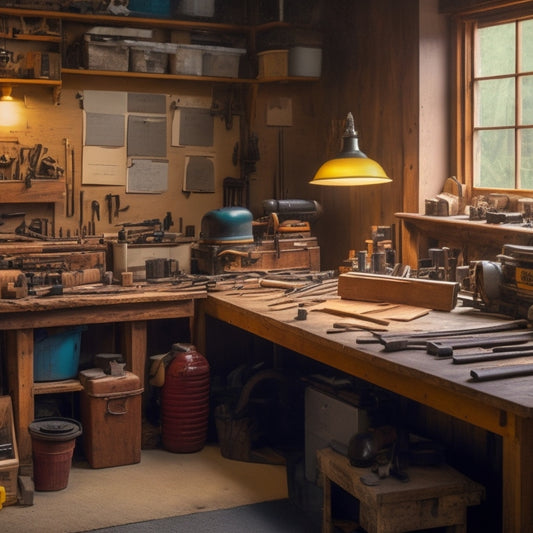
53 428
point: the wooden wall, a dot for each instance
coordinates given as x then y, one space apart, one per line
370 69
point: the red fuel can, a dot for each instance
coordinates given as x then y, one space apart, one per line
185 401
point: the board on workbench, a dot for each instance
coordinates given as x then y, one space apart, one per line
378 310
431 294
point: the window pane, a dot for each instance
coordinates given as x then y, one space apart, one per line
495 103
526 96
526 46
496 53
526 159
494 159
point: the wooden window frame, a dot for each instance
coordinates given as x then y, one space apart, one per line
466 21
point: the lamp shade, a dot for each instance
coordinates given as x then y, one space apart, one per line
350 166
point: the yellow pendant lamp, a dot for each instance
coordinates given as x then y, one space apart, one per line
350 166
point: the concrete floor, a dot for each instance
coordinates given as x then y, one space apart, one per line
163 484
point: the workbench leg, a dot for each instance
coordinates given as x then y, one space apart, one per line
134 345
327 524
198 328
19 362
518 476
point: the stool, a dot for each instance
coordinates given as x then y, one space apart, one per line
433 497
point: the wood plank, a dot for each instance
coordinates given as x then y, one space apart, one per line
380 310
19 361
439 295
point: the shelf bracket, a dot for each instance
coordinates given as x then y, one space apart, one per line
56 94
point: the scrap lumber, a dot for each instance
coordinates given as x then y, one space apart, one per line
432 294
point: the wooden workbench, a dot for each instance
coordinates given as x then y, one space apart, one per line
130 308
504 407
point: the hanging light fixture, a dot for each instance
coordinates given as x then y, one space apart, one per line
350 166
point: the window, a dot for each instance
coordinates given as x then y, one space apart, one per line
495 97
502 91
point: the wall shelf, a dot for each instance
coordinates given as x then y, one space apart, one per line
41 191
476 238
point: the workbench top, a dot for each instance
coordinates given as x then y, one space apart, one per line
413 373
98 295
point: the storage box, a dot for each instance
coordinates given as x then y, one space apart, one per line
196 8
273 64
326 419
220 61
56 353
147 57
106 55
111 417
9 459
186 59
305 61
150 7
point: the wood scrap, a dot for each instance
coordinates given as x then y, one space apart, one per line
382 310
431 294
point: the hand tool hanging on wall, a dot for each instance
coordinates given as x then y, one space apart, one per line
69 180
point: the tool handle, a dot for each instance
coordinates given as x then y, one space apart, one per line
502 372
489 356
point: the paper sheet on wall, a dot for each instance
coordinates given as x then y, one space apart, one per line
147 136
147 176
111 102
104 129
192 127
199 174
103 166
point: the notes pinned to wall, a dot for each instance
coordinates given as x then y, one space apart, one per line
147 176
199 175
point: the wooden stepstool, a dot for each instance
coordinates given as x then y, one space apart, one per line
433 496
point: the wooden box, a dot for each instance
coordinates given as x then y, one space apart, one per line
111 419
286 253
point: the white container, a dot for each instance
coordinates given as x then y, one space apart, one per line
187 59
196 8
305 61
220 61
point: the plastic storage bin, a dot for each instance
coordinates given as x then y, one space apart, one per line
149 57
111 418
186 59
106 55
196 8
220 61
150 7
56 353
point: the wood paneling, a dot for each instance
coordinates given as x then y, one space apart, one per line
370 68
